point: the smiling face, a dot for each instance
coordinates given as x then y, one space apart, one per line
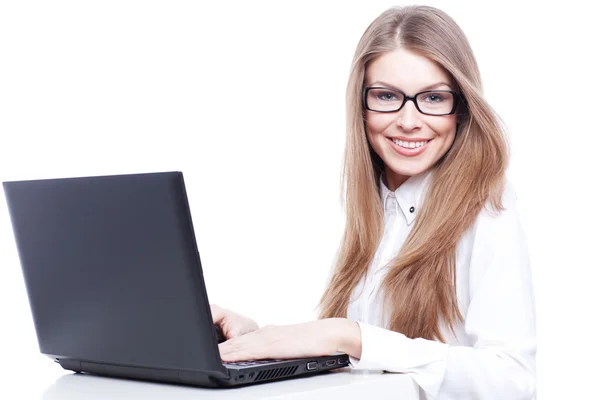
407 141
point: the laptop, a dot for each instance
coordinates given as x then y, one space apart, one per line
115 283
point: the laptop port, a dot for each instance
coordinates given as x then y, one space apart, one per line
311 365
330 363
341 361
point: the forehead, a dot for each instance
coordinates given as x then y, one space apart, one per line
405 70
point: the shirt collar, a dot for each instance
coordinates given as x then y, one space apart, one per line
409 196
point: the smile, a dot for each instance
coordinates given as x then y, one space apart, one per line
409 149
410 145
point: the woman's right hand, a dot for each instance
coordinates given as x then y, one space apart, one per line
231 323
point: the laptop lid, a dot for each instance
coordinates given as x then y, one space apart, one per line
112 271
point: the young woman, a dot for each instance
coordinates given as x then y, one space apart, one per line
432 277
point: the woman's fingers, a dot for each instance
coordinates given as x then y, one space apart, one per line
231 323
242 348
283 341
218 314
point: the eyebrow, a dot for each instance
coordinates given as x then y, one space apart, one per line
428 87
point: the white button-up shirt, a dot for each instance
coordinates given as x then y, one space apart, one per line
493 353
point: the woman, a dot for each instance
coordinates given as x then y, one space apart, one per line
432 277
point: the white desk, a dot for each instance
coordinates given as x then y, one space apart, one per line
342 384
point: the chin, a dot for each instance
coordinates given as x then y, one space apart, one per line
408 170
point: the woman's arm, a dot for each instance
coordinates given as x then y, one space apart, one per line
496 358
346 335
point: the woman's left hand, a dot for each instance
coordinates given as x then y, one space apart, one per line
309 339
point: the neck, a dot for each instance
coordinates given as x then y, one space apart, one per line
393 180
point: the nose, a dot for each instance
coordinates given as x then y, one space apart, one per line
408 116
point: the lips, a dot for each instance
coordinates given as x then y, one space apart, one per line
420 145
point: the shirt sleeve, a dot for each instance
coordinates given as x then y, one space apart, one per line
499 360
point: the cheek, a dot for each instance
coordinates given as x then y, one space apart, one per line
374 128
446 134
377 123
445 128
373 142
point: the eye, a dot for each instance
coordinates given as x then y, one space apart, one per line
386 96
436 97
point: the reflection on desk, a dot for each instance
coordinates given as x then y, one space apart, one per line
344 382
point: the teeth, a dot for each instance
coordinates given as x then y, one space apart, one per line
409 145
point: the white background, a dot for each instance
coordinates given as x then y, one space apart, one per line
247 99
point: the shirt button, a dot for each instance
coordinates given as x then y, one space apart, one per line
412 210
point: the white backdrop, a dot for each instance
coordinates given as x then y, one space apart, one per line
247 99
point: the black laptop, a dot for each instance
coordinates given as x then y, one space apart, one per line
115 283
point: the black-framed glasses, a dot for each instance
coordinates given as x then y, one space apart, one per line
429 102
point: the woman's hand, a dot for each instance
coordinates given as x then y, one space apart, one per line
309 339
232 324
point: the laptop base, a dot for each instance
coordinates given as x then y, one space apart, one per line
239 375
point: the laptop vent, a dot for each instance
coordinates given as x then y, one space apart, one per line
275 373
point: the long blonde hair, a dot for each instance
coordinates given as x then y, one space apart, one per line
420 287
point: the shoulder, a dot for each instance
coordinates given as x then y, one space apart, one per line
497 240
494 226
507 217
494 229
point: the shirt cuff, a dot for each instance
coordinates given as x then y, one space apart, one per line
390 351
